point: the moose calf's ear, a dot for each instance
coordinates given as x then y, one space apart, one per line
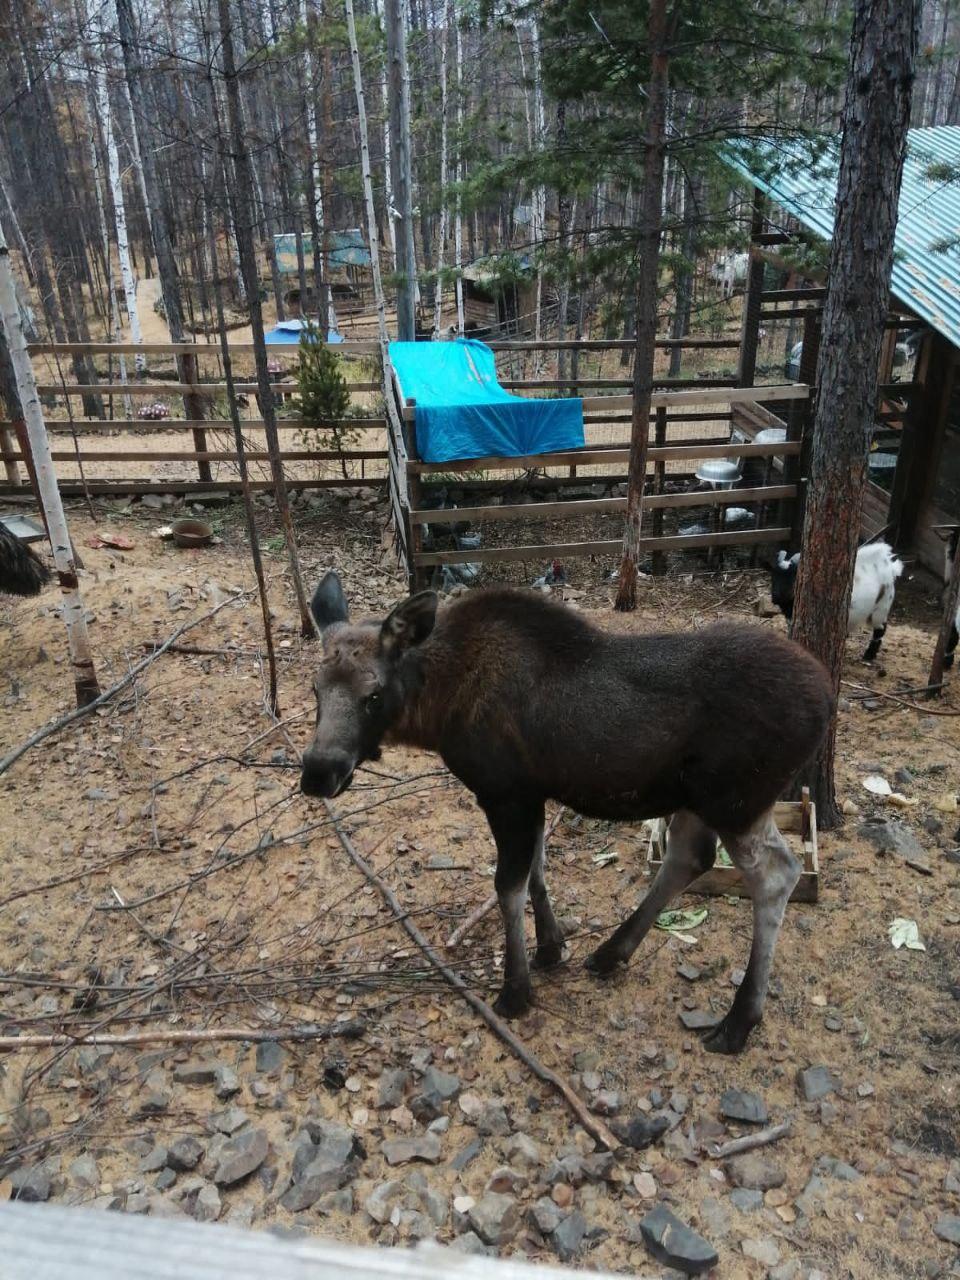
329 604
409 623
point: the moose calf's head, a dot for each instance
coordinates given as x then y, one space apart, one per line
360 683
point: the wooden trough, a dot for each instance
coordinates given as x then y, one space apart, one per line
797 820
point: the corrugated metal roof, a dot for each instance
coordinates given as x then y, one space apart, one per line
925 280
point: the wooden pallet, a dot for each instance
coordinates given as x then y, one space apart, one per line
797 820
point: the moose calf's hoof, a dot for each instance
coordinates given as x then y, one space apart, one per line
549 955
728 1036
604 961
512 1003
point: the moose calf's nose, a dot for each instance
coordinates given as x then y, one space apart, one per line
324 773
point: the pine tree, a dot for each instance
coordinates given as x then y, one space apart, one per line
323 395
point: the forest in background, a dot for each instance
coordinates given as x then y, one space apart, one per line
527 145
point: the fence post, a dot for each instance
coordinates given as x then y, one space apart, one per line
659 476
193 408
750 330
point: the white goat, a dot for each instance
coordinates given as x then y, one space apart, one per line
729 271
874 586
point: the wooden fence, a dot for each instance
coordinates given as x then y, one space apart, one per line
691 422
719 405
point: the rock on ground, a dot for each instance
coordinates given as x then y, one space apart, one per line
755 1171
672 1242
240 1156
495 1218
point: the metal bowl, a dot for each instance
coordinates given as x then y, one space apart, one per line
191 533
771 435
722 473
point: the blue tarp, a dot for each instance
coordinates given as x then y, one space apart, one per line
463 412
288 331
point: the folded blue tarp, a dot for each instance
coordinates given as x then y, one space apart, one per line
289 331
463 412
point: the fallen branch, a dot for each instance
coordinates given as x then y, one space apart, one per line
889 697
13 756
488 904
351 1030
97 869
593 1125
750 1141
198 651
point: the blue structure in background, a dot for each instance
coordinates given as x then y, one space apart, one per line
288 332
463 412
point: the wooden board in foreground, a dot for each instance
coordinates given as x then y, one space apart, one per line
48 1242
797 820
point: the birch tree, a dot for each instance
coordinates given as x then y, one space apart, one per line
442 236
367 177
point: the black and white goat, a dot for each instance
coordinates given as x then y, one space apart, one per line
22 572
949 555
874 586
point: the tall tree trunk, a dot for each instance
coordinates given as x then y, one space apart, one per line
400 159
389 198
242 199
444 215
162 241
318 214
119 208
458 212
367 177
74 615
644 350
876 114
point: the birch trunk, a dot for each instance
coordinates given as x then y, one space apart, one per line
388 177
876 114
540 192
399 100
316 209
444 219
74 617
119 210
368 185
162 242
458 216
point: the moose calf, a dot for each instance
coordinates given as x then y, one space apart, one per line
526 701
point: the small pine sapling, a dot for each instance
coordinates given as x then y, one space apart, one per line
323 398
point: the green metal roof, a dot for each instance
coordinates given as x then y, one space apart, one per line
925 280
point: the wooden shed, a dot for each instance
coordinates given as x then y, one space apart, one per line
914 483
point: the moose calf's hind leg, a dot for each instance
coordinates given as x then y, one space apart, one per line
770 873
549 934
691 849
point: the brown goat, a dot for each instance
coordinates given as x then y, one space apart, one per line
526 701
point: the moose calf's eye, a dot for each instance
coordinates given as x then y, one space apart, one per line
373 701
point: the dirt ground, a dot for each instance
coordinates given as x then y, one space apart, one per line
163 873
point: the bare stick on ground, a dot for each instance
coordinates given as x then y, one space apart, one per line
593 1124
351 1030
750 1141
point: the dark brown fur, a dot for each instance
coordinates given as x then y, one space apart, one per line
527 701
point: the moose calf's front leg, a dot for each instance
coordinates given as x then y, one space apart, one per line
516 828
